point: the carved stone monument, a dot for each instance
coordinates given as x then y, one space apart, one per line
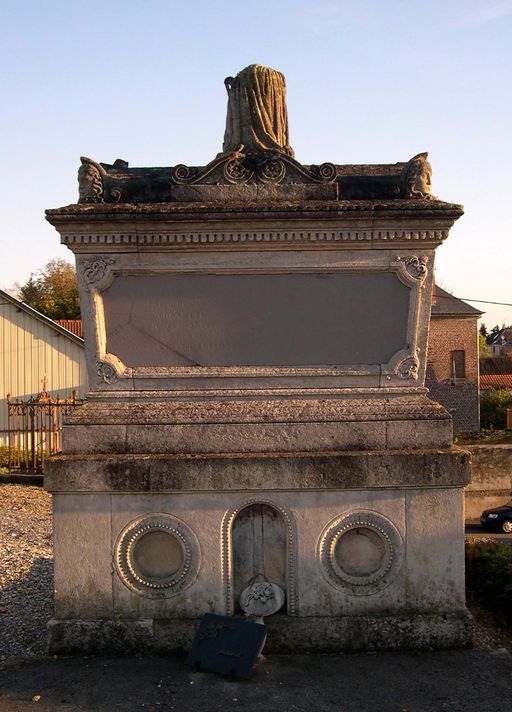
257 118
256 334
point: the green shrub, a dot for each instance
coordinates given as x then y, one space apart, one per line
493 408
24 458
4 455
489 575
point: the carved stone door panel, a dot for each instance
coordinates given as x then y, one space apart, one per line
259 547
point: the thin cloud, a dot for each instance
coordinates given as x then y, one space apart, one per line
487 12
323 18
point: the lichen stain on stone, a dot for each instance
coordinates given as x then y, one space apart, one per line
409 588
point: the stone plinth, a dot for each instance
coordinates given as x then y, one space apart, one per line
256 337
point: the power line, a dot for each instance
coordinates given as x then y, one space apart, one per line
480 301
483 301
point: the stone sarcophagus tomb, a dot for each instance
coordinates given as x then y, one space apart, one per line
256 333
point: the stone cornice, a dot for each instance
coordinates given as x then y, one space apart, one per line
420 209
312 222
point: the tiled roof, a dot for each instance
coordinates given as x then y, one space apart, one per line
495 365
445 304
73 325
496 380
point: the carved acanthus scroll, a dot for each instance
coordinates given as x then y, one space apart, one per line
408 367
95 271
254 167
106 372
415 266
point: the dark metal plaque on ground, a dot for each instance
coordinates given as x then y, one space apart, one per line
225 645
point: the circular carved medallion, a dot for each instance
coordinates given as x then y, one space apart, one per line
157 555
360 552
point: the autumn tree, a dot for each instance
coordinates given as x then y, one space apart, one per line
53 291
483 349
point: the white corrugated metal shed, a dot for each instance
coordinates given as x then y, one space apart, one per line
32 348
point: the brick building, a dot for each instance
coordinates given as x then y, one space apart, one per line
452 361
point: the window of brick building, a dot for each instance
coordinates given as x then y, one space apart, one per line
458 362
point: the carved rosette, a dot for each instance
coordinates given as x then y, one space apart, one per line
236 172
415 266
106 372
360 553
273 172
262 598
408 367
96 270
254 166
157 555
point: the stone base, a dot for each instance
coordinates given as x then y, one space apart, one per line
142 423
419 631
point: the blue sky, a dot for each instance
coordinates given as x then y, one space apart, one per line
368 81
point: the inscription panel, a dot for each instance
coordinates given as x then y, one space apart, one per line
261 320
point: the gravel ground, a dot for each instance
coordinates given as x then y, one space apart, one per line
26 570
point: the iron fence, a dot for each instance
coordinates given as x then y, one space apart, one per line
35 428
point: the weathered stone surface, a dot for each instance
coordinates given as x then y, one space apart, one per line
256 337
416 577
254 437
90 181
436 570
257 118
141 424
179 439
255 175
411 434
492 468
418 177
81 637
491 480
285 634
280 471
351 633
283 406
83 556
413 219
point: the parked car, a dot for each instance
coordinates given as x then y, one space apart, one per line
498 518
